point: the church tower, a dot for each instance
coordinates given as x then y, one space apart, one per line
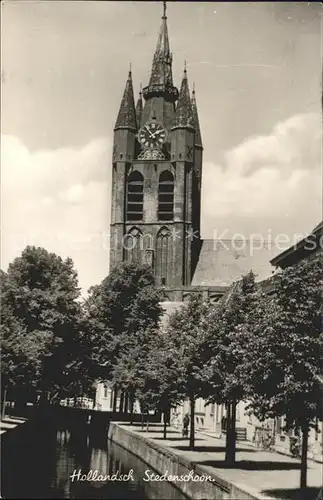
156 179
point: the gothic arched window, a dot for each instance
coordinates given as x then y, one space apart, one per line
135 197
166 196
132 246
163 257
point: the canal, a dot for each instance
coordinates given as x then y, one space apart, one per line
40 464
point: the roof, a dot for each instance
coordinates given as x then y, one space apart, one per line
317 227
139 108
184 112
221 262
127 113
300 250
161 72
196 121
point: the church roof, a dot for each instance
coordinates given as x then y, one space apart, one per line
184 113
127 114
196 121
221 262
317 227
300 249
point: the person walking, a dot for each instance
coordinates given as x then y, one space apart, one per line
186 423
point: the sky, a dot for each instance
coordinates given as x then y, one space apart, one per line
257 74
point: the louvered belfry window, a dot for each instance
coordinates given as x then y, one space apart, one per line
166 196
135 197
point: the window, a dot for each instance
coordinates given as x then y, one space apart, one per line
166 196
105 394
135 197
132 244
163 256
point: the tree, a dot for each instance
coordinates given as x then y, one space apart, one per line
21 357
227 350
40 306
186 337
160 377
283 351
118 311
130 371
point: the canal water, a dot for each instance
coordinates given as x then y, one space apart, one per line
41 465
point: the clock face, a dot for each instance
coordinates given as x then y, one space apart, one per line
152 136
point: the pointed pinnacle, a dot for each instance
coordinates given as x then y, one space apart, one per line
139 108
127 116
183 115
196 122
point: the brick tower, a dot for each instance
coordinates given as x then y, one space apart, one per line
156 180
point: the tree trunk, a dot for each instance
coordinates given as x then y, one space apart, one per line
233 428
132 401
121 402
230 452
126 402
305 430
165 423
192 423
115 393
168 415
147 425
94 399
228 432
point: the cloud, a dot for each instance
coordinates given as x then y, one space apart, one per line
58 199
267 183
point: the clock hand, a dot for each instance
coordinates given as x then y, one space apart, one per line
147 130
157 132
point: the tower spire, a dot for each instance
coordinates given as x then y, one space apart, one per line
139 108
161 72
164 9
127 114
196 122
184 115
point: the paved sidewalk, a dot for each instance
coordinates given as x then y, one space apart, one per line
318 458
267 473
10 423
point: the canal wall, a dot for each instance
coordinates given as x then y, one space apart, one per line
161 459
